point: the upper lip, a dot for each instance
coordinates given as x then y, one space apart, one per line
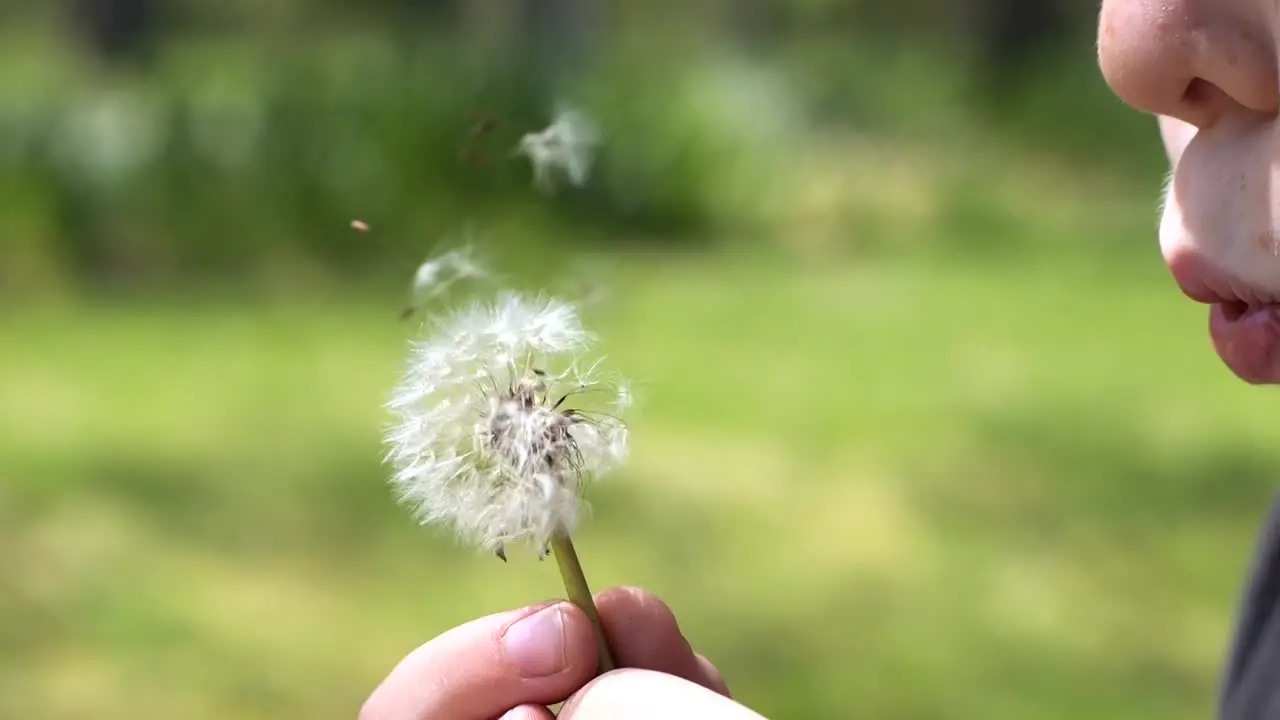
1204 282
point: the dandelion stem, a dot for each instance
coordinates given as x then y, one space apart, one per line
575 584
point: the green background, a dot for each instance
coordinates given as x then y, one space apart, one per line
925 429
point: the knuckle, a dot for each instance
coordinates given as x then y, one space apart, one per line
635 598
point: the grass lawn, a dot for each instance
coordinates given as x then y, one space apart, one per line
893 489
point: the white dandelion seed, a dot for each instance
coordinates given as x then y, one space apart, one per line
501 421
436 275
567 145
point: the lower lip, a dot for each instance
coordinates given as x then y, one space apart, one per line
1248 340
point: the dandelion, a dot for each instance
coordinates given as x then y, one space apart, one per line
501 421
568 144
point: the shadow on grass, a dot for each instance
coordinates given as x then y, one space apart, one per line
338 508
871 652
337 505
1146 540
1044 474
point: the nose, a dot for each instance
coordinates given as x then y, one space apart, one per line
1195 60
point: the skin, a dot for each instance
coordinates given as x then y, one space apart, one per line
472 673
1207 69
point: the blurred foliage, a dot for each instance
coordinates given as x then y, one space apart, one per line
244 155
217 165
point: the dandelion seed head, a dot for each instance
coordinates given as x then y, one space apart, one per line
500 422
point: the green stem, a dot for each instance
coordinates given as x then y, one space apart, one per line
575 584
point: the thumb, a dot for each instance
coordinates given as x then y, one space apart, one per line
480 670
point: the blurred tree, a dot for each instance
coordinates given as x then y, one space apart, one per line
751 25
555 37
1013 37
435 12
117 31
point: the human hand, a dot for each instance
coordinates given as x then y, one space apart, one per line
630 694
513 665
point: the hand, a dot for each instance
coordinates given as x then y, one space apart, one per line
513 664
631 694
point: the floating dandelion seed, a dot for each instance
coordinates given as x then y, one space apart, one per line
568 145
501 423
436 275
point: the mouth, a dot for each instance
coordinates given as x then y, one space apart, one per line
1244 320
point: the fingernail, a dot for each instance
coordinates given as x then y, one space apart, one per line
535 644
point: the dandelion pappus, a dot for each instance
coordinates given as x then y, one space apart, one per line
437 275
530 428
566 146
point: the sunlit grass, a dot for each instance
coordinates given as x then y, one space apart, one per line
903 489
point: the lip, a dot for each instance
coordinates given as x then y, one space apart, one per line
1244 319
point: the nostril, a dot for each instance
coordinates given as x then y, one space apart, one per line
1197 92
1202 103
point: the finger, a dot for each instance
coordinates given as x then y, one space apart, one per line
714 680
477 671
643 633
631 694
528 712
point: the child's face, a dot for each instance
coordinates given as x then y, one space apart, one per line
1208 69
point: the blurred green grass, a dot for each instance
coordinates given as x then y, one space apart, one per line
905 487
